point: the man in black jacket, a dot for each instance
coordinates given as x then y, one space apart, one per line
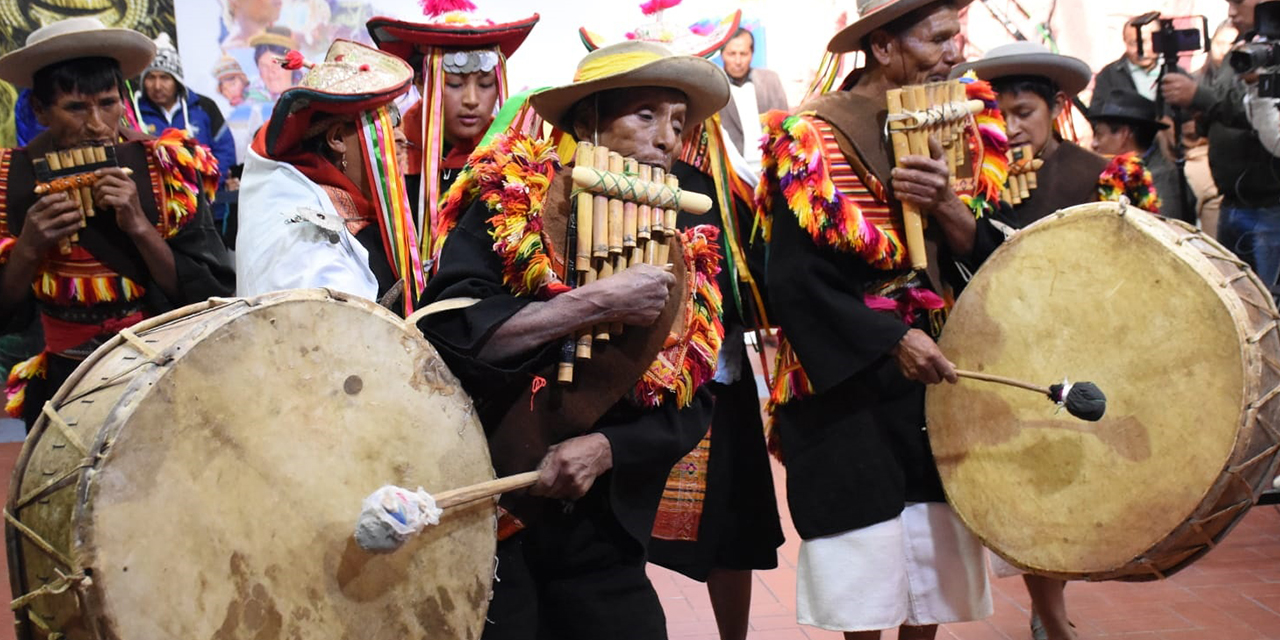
1247 174
1134 71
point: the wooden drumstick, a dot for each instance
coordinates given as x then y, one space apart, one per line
374 533
913 224
1083 400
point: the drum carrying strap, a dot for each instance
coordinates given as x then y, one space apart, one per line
440 306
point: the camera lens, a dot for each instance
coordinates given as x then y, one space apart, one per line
1248 57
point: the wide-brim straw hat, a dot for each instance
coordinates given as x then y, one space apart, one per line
876 14
353 78
638 64
76 38
1071 75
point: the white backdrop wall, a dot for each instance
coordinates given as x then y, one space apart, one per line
795 32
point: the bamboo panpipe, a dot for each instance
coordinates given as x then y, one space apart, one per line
72 171
1022 174
626 215
916 113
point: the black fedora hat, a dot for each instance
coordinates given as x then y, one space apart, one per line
1126 107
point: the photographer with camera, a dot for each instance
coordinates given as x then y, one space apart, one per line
1246 173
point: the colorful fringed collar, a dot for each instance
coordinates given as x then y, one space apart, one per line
795 168
512 176
1127 175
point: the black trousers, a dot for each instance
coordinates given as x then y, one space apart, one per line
574 575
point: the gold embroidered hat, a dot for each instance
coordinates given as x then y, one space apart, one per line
353 78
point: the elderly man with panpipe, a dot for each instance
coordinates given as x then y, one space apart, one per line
858 328
151 247
502 311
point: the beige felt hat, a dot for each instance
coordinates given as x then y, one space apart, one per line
876 14
1071 75
76 38
638 64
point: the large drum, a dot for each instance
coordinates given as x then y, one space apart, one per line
1180 335
200 477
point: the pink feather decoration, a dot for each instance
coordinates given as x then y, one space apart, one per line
653 6
437 8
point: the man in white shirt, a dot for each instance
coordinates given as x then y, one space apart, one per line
752 91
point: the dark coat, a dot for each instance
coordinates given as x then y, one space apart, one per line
646 443
856 451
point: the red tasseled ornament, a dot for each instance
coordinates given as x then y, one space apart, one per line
436 8
294 61
653 6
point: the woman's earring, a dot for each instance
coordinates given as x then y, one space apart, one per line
344 162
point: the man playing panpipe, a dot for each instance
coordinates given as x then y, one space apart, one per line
1034 86
574 566
152 245
858 327
718 518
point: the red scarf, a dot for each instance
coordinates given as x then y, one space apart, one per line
346 197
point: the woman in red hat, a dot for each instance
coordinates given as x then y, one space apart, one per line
459 63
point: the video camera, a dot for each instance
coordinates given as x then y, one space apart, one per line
1173 37
1264 54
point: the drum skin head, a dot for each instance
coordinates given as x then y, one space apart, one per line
232 477
1115 299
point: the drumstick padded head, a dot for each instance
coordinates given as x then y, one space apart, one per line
391 515
1083 400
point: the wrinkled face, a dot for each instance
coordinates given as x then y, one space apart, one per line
274 77
469 99
644 123
1113 139
737 56
926 51
1240 13
161 88
1029 118
76 119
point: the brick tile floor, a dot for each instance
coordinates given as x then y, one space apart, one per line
1233 593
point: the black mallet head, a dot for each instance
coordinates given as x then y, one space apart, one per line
1083 400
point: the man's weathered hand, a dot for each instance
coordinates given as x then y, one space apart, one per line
571 467
920 359
635 296
53 217
1178 89
116 191
924 182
